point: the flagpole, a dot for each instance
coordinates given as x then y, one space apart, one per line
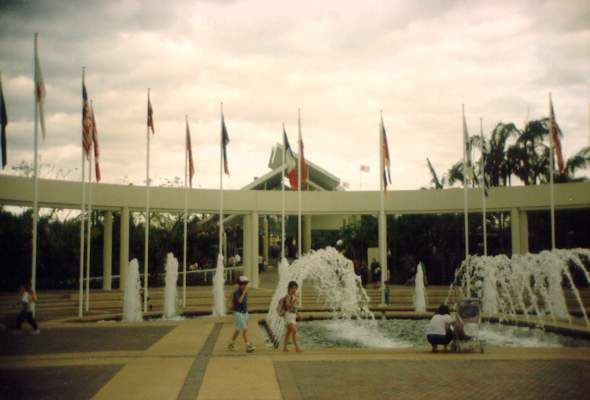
382 225
221 187
147 218
551 167
82 218
465 174
185 214
283 198
299 247
88 226
35 189
483 191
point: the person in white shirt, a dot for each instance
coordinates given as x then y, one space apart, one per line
27 298
438 330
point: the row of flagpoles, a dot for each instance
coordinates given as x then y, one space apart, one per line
296 168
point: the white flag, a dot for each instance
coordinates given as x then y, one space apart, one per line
39 89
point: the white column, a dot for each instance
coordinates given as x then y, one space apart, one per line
123 247
515 230
266 240
306 234
254 250
107 251
246 245
383 252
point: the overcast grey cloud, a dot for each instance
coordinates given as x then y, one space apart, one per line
341 62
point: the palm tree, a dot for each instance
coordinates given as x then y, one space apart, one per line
435 181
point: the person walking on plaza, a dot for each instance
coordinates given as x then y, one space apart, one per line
27 298
240 307
291 315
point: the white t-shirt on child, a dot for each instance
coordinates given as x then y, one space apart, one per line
437 325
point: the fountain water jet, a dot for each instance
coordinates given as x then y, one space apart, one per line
333 277
419 295
218 292
527 284
132 297
170 289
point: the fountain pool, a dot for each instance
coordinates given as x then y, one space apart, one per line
407 333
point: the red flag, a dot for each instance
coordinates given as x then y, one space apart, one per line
86 121
302 163
555 132
189 150
95 143
365 168
150 114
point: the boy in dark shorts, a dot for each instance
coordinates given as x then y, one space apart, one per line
240 307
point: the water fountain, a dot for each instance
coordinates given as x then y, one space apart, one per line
529 284
333 277
132 297
419 293
170 289
218 292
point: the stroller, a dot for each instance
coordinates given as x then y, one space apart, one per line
466 327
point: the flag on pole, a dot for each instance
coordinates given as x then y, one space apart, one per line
365 168
189 150
386 160
484 155
555 133
291 161
95 143
224 141
3 123
303 164
86 121
468 174
39 90
150 115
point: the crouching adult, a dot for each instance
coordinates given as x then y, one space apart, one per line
438 331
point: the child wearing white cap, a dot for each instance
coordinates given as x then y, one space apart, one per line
240 307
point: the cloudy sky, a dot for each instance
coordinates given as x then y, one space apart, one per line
339 61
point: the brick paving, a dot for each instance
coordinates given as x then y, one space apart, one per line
70 340
437 379
63 383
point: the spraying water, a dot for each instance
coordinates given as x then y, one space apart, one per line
132 297
170 290
218 293
419 293
529 284
332 276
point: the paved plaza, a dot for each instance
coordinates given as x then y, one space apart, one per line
188 360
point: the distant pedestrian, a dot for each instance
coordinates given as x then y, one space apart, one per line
27 298
291 315
240 307
375 271
238 259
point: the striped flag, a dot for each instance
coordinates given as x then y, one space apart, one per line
555 133
39 90
365 168
3 123
291 161
86 121
386 159
224 143
189 150
468 174
150 114
95 143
